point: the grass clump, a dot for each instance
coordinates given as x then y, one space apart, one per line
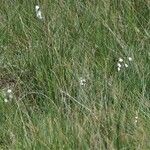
60 86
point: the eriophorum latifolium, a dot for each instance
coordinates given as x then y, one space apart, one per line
78 75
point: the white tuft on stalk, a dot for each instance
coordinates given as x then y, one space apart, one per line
38 12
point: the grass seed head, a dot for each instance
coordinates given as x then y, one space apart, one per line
130 58
38 12
82 81
120 60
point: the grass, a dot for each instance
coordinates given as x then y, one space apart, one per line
42 62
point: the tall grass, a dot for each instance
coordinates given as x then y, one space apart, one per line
43 61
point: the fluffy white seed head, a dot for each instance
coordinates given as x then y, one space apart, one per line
126 65
120 60
130 58
119 65
38 12
118 68
5 100
9 91
37 8
82 81
136 119
8 95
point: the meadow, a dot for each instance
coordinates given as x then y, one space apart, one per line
76 76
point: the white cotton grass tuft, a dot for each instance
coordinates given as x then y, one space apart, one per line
82 81
119 68
119 65
9 91
6 100
8 95
120 60
136 120
126 65
130 58
37 8
38 12
123 63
